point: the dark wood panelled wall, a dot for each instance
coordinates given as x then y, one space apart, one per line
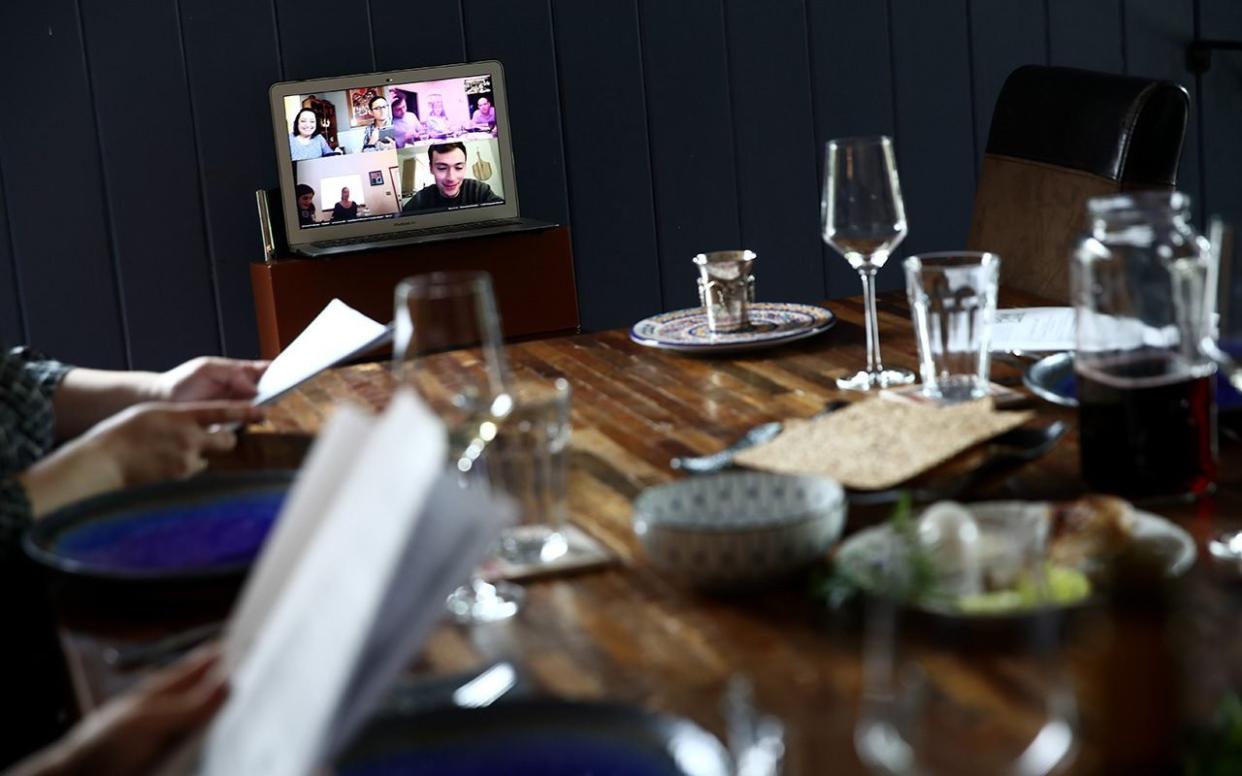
133 135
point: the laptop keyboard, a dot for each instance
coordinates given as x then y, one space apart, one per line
371 239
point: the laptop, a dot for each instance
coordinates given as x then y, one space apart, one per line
395 158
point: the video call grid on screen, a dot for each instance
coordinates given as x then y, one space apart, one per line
365 153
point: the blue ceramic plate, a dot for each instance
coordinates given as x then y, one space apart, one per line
544 737
1052 379
210 527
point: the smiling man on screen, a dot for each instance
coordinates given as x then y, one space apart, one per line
452 188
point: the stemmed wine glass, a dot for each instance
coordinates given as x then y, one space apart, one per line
865 219
1224 341
449 348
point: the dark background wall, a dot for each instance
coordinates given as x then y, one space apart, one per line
134 134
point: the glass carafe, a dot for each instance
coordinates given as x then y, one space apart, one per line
1147 423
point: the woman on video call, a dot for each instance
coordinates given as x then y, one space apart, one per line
305 141
346 209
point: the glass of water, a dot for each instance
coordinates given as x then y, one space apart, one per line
527 461
449 348
953 302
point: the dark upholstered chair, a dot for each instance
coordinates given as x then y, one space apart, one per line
1060 136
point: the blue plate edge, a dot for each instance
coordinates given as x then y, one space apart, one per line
33 541
611 716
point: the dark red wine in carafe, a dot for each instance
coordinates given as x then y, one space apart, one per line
1147 427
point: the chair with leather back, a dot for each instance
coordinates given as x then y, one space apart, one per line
1060 136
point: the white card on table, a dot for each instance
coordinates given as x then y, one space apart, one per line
1033 329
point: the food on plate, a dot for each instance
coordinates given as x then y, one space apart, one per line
1089 533
997 557
1065 586
949 533
994 558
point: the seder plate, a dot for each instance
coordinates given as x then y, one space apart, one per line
864 554
772 323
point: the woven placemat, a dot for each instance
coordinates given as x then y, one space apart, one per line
875 444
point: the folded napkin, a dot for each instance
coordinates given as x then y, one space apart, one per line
875 444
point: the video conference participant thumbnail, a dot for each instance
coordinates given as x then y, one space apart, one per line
337 189
451 188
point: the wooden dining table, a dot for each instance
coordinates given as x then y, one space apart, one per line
627 633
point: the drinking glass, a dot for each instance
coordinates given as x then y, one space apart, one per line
953 301
864 219
528 461
945 693
1224 341
726 289
449 348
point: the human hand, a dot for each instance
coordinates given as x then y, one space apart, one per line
136 732
209 377
156 442
146 443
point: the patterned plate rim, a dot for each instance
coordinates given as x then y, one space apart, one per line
828 322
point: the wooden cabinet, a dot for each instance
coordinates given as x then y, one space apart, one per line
532 273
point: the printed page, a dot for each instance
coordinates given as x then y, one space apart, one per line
1033 329
288 689
453 537
323 473
336 334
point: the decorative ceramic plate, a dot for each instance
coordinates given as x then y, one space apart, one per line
210 527
1052 379
546 737
771 323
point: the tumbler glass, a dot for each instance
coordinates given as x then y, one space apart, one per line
953 302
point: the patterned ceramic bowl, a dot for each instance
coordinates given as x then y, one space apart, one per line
738 527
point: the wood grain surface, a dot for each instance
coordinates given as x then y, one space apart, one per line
627 633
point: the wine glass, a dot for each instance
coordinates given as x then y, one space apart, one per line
1224 341
947 693
449 348
864 219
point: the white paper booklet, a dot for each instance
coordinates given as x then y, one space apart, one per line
373 537
1033 329
339 332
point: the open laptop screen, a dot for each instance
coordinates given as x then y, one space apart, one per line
374 149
